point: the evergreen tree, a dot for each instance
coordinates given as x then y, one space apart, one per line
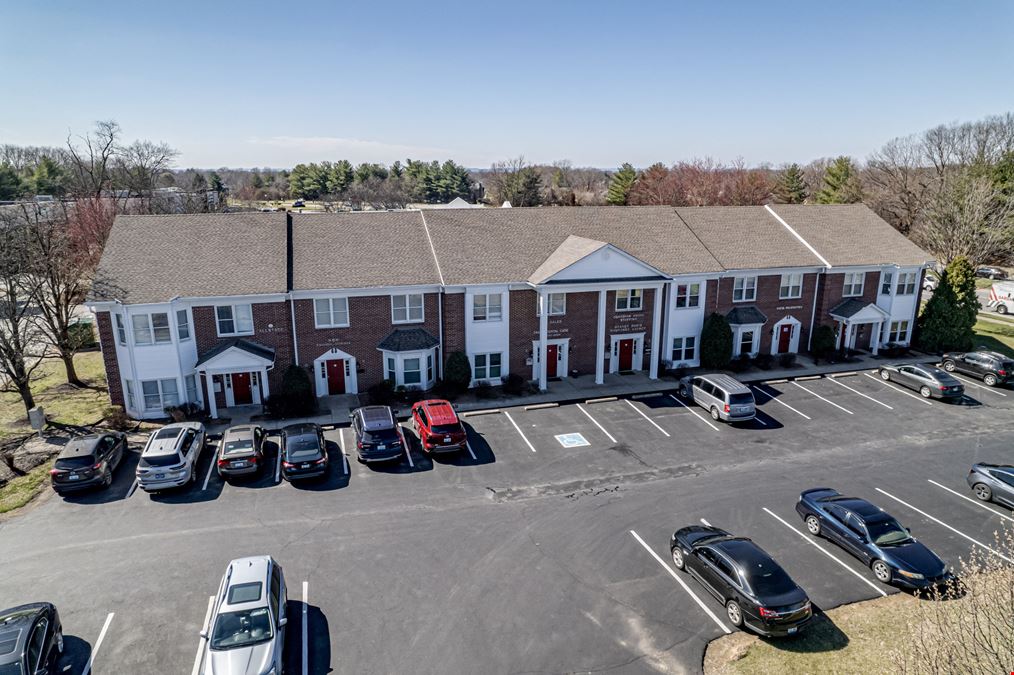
841 183
339 177
48 178
823 341
11 185
457 372
619 186
947 322
966 302
215 182
716 342
791 186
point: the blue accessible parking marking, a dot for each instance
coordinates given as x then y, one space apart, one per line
572 440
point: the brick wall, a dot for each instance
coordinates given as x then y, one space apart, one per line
454 324
768 302
369 323
832 287
107 341
272 328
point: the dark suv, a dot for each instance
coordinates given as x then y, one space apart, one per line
378 438
992 368
304 452
31 639
88 462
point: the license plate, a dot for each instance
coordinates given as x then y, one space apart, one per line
238 465
305 466
793 629
73 476
381 447
159 476
447 439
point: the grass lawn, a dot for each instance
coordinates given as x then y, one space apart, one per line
62 402
21 490
983 283
856 639
995 336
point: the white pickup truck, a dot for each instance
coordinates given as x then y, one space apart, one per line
1001 297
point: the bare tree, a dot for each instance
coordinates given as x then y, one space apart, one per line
968 218
899 183
140 165
91 158
376 193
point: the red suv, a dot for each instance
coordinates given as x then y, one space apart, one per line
437 426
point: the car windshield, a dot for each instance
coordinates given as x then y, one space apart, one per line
740 399
161 460
71 463
887 532
241 628
766 578
380 436
236 447
301 446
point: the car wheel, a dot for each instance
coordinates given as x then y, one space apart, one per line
1001 309
677 557
949 366
59 642
885 375
982 492
714 414
734 613
881 571
107 479
990 379
925 392
684 392
813 525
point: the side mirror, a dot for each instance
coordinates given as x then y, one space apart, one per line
204 633
283 621
351 415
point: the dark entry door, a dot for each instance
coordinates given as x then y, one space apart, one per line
552 354
336 376
784 338
241 393
626 354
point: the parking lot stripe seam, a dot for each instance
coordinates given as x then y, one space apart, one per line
653 422
521 433
306 630
979 386
943 524
974 501
98 643
775 399
200 643
900 391
693 412
595 422
830 555
682 583
826 400
860 393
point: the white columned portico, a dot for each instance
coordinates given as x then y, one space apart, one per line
210 383
543 336
265 392
875 338
600 340
656 327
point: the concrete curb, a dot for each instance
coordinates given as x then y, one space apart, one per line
604 399
475 413
540 406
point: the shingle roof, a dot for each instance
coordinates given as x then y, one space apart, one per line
746 237
848 307
851 234
154 258
502 245
408 340
362 250
249 346
745 316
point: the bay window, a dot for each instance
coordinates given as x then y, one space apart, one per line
160 394
411 372
906 283
886 282
121 333
151 328
182 324
898 332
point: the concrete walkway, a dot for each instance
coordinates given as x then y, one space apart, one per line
334 410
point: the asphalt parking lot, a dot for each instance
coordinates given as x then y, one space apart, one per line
542 547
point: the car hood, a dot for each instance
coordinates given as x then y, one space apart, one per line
252 660
916 557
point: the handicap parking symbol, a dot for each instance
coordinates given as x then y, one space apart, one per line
572 440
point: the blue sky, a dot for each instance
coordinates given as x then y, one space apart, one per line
596 83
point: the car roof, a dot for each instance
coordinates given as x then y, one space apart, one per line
742 550
253 569
376 417
993 355
240 433
726 382
439 411
14 624
80 446
860 507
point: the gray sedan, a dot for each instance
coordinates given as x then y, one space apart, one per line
993 483
929 381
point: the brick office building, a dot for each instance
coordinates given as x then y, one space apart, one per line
213 308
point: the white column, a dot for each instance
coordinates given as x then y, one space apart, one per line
875 343
543 336
210 382
600 341
656 327
265 392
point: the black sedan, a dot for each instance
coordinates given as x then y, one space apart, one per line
31 639
873 536
929 381
304 452
88 462
755 590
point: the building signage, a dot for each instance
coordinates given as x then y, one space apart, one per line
786 308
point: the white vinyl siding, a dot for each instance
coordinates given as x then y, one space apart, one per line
234 319
629 300
407 308
791 286
853 284
744 289
487 307
331 312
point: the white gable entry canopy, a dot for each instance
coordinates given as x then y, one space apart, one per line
852 313
237 363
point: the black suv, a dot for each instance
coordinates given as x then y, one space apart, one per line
992 368
31 639
304 452
88 462
378 437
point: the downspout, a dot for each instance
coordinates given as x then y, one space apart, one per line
813 314
440 331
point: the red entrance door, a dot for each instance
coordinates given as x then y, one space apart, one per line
552 354
626 354
784 338
241 393
336 376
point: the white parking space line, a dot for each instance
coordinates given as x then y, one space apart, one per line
596 423
404 444
522 434
211 467
979 386
682 583
205 628
278 465
98 643
856 391
303 659
705 522
133 488
974 501
693 412
830 555
898 389
345 456
826 400
641 413
469 447
943 524
777 400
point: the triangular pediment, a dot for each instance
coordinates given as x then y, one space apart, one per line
580 259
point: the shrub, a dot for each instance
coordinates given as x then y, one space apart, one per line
409 394
740 364
823 342
116 418
716 342
764 361
484 390
458 372
294 398
947 321
515 385
786 360
382 393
